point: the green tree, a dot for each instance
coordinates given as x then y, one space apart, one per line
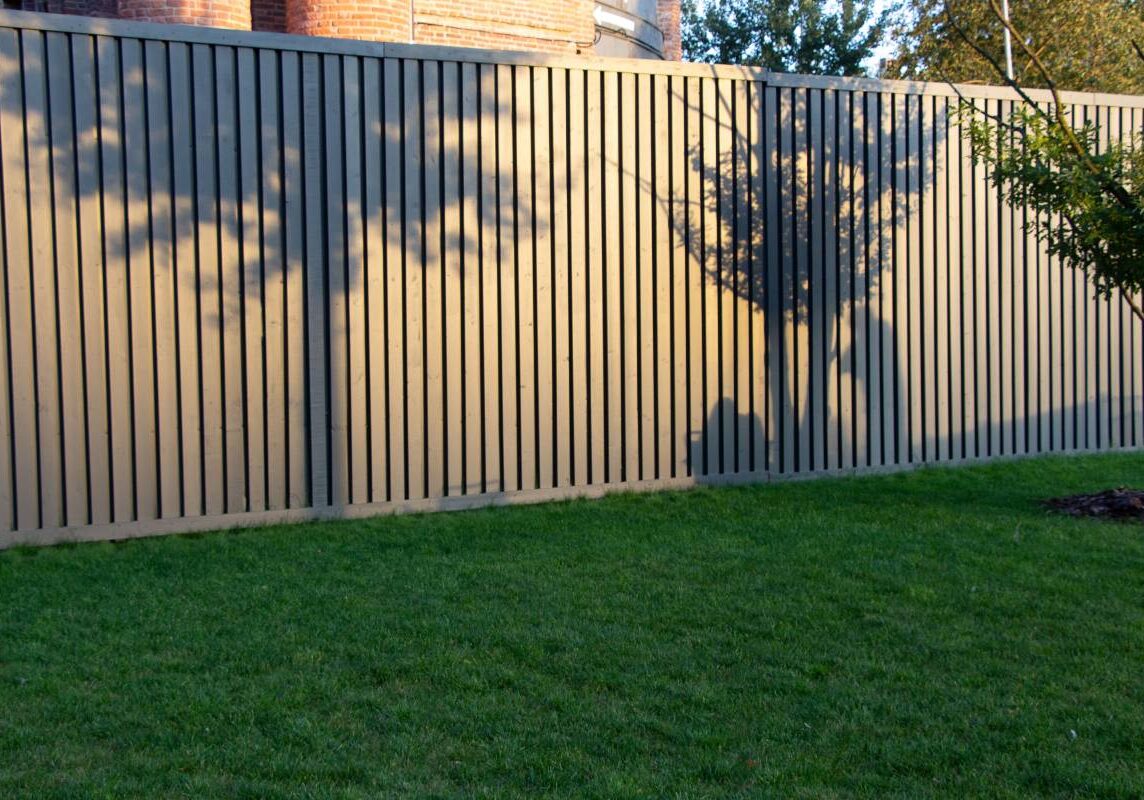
785 35
1040 161
1086 45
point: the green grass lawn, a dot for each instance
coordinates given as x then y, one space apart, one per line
926 634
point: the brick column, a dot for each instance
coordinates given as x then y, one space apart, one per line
375 20
212 13
669 23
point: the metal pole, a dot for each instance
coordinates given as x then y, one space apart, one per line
1008 41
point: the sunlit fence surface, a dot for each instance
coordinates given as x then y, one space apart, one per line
252 277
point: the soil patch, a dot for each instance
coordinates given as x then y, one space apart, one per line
1121 503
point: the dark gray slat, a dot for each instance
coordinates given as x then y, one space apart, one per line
315 268
745 422
23 511
374 134
772 270
230 280
207 296
452 277
162 274
393 125
851 282
957 257
979 422
43 279
250 281
432 284
85 97
891 131
489 182
472 310
412 283
275 321
297 375
354 287
1021 333
64 209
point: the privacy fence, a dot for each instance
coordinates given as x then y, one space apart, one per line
251 277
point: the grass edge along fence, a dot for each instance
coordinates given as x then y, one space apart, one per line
252 278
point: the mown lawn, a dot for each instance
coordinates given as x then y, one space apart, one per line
926 634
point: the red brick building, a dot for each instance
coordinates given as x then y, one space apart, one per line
634 28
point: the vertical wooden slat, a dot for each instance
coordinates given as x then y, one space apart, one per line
274 268
614 258
433 281
956 263
356 284
470 235
395 239
336 285
543 221
643 280
64 193
942 268
856 384
888 368
251 305
874 203
315 268
506 265
452 276
773 167
411 288
929 307
579 261
595 199
186 260
815 313
230 279
711 299
831 316
661 131
562 286
907 367
374 135
89 222
696 440
18 268
298 435
490 282
624 329
758 238
740 295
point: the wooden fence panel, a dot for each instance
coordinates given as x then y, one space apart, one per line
267 279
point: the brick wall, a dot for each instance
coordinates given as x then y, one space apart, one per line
564 26
214 13
381 20
268 15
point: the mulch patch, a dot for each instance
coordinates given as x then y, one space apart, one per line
1121 503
